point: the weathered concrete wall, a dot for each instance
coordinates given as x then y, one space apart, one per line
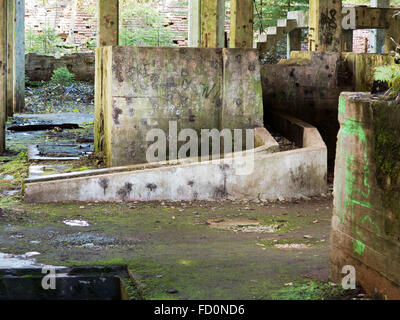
309 84
40 67
200 88
366 220
289 174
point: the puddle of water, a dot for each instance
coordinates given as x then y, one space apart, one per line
76 223
8 261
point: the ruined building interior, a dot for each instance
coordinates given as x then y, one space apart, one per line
312 187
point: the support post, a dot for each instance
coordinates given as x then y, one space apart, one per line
20 56
347 44
392 32
325 25
377 36
242 21
212 23
11 70
194 23
108 25
293 41
3 70
108 35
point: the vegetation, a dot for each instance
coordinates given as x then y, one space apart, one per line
62 77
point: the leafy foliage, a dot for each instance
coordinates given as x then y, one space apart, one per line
143 25
62 76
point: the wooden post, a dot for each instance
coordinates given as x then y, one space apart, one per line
11 70
325 25
3 70
108 25
212 23
242 21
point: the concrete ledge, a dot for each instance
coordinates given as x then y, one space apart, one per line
290 174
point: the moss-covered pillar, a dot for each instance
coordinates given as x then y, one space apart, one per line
242 15
293 41
11 70
212 23
20 55
108 25
3 70
377 36
325 25
393 32
108 32
194 23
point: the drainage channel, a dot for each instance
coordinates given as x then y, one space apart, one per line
77 283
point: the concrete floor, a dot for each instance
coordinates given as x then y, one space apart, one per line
200 250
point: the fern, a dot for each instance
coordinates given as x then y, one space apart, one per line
391 75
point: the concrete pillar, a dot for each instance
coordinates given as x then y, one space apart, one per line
20 56
325 25
392 32
212 23
108 25
242 21
347 44
3 70
377 36
11 83
108 35
293 41
194 23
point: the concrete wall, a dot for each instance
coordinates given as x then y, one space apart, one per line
200 88
366 220
309 84
289 174
40 67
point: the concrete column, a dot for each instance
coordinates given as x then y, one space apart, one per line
3 70
108 25
377 36
392 32
293 41
347 44
11 83
20 55
194 23
242 21
325 25
212 23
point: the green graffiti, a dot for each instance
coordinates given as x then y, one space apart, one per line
358 247
352 127
342 105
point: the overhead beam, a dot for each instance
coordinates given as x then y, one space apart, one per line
108 25
3 70
242 22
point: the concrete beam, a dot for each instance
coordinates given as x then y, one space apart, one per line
242 21
20 56
11 71
212 23
373 18
108 26
325 25
3 70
